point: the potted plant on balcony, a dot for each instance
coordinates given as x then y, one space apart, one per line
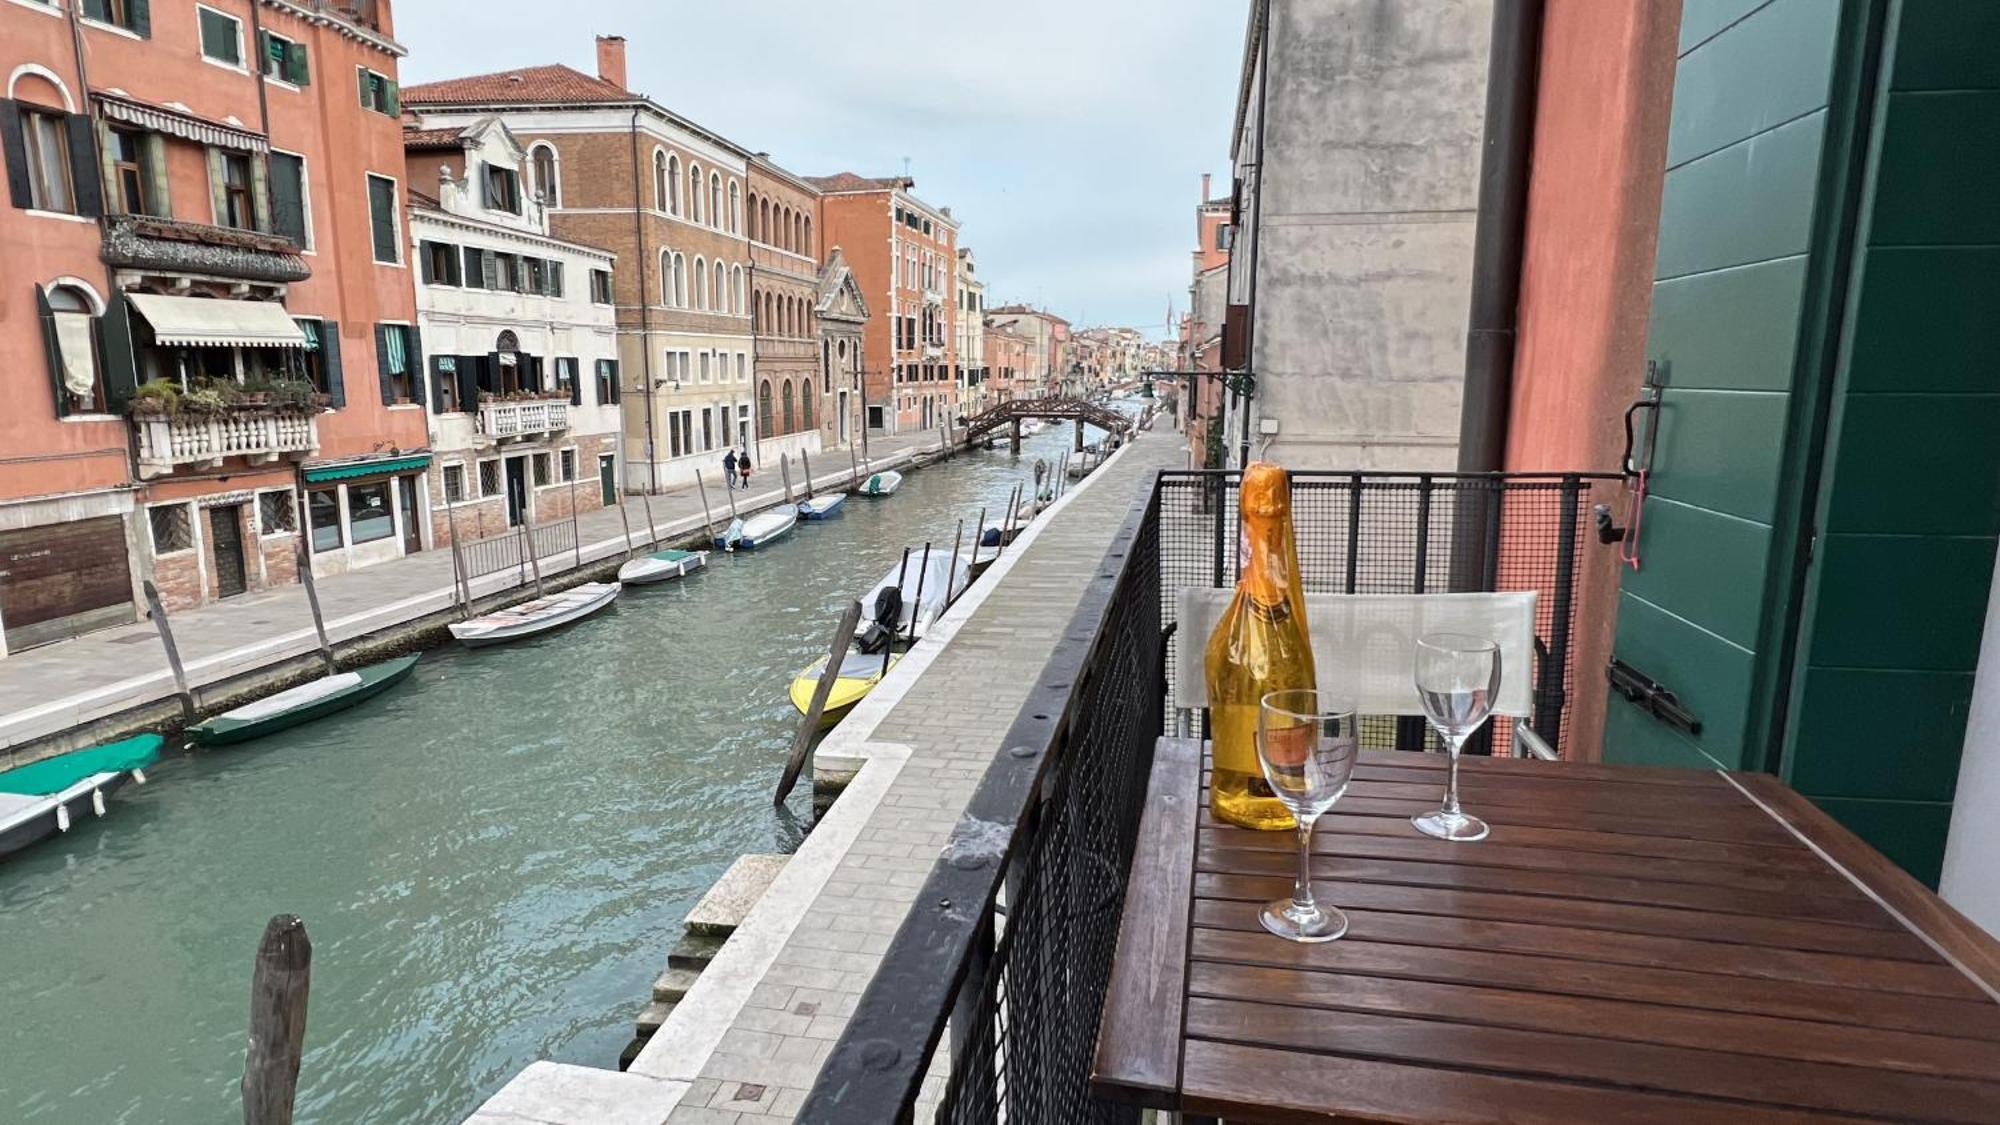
295 395
211 397
255 392
157 398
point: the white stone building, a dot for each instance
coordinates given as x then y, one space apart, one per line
971 369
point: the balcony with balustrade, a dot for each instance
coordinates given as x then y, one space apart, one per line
531 419
168 442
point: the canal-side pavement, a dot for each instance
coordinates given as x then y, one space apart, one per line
76 692
748 1040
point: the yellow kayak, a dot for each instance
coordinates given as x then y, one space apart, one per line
858 675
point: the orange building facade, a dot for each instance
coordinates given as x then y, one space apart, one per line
207 324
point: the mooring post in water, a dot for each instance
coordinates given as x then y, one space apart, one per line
534 551
707 520
278 990
806 467
917 606
951 564
458 567
785 475
1014 438
1009 529
652 529
312 603
575 529
625 519
889 646
159 613
843 635
853 468
979 534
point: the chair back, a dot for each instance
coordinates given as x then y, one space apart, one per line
1365 645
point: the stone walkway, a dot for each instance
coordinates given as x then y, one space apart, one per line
65 686
747 1043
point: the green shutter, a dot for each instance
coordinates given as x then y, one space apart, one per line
297 71
218 37
382 218
329 342
153 151
413 362
382 365
361 74
141 16
260 193
52 349
15 154
114 335
87 185
288 188
393 94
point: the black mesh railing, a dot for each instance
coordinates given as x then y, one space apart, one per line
1397 533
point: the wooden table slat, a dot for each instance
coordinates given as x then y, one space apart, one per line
1778 854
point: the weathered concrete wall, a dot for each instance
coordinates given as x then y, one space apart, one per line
1374 112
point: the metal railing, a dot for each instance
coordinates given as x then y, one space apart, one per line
509 550
1008 947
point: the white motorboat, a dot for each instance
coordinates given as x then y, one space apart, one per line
660 566
822 507
537 616
883 483
908 609
768 527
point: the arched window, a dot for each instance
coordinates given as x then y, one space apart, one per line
736 290
714 199
798 233
764 409
694 192
789 426
770 314
808 248
750 202
672 204
680 288
667 278
715 302
806 405
700 283
735 210
663 181
785 231
71 317
546 179
764 221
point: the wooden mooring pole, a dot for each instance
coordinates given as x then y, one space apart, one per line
785 475
159 613
312 603
626 519
652 529
707 520
843 635
533 550
575 528
806 467
278 989
458 567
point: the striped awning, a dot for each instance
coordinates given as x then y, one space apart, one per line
207 322
180 123
377 467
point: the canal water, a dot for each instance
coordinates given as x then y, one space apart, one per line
491 859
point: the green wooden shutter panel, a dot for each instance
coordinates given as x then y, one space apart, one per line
468 383
329 343
87 184
141 15
14 149
382 364
153 148
570 368
288 206
218 36
382 218
52 349
393 94
297 71
260 194
114 335
413 361
616 390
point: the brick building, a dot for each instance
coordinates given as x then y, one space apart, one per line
791 387
904 254
205 201
667 198
1009 359
521 369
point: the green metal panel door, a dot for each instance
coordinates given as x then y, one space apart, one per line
1757 137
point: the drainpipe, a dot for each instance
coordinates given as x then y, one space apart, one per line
1245 391
645 311
1498 242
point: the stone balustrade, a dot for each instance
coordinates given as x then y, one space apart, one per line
167 442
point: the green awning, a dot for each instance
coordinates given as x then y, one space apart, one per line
367 468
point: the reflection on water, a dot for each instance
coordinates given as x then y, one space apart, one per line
492 859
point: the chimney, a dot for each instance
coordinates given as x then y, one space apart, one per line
611 59
1204 175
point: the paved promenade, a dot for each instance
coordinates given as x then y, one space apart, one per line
746 1044
49 690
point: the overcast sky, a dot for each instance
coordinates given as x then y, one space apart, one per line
1068 136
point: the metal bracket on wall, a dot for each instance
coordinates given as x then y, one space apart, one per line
1659 701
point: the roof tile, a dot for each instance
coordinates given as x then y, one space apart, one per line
528 84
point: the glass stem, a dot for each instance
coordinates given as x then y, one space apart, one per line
1302 889
1451 777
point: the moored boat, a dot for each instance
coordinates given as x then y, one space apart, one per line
857 675
537 616
821 507
883 483
731 535
302 704
890 610
661 566
36 799
768 527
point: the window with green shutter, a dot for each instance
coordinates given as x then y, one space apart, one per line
288 197
285 60
221 36
132 15
382 218
378 92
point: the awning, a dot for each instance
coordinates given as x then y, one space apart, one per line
206 322
180 123
367 468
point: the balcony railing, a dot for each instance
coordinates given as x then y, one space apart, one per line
1009 948
207 440
522 420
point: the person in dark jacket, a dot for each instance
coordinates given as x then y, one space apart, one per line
743 468
729 469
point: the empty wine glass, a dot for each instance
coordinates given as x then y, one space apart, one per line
1457 678
1306 745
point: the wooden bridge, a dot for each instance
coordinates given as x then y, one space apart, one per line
1053 408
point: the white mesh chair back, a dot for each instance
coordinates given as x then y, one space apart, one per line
1365 645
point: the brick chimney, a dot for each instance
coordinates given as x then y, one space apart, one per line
1204 175
611 59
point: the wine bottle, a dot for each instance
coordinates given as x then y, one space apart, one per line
1259 646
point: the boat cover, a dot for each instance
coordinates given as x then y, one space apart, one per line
53 775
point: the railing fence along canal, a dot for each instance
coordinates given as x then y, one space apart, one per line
509 550
1008 947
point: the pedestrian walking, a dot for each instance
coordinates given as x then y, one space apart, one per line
729 469
743 468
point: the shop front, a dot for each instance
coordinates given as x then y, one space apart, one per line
359 513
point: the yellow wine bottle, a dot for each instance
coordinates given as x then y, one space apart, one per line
1259 646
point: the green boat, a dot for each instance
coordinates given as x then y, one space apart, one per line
35 799
302 704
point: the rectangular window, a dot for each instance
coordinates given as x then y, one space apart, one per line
288 198
454 484
506 271
275 514
674 434
566 374
489 478
541 462
285 60
501 189
396 359
445 398
221 36
478 267
128 14
378 92
46 138
569 464
237 210
708 429
173 529
537 273
553 278
382 218
368 516
704 367
1225 236
130 185
607 381
440 263
323 511
600 287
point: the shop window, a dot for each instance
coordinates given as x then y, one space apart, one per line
369 518
489 478
323 510
454 484
275 514
173 528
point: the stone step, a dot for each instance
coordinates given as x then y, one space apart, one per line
694 951
726 904
674 984
652 1016
630 1054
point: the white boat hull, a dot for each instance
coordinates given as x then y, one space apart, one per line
884 483
820 507
538 616
27 820
768 527
648 569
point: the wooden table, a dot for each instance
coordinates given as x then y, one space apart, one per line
1629 944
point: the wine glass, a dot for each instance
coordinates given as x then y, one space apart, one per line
1306 745
1457 678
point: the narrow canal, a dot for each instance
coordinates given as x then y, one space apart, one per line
491 859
